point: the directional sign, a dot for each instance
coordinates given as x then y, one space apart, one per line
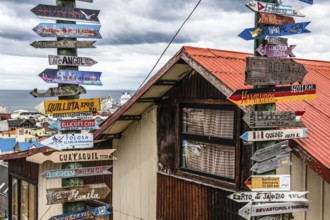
273 19
68 125
268 196
250 210
69 106
71 77
68 30
72 156
274 31
277 40
272 95
272 164
73 116
274 135
65 43
90 1
84 214
77 172
279 50
66 14
287 216
307 1
60 91
69 141
273 119
77 193
269 183
271 151
102 210
70 60
267 71
272 8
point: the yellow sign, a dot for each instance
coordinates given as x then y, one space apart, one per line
269 183
69 106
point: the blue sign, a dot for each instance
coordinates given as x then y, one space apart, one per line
307 1
73 215
274 31
102 210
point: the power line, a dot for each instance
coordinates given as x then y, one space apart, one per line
169 44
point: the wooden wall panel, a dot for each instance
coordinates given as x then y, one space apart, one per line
326 202
315 188
24 169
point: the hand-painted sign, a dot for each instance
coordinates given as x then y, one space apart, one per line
307 1
272 8
69 141
250 210
69 106
273 19
274 31
71 77
267 71
268 196
77 193
68 30
102 210
271 151
287 216
272 95
279 50
89 1
272 164
277 40
269 183
73 116
72 156
60 91
66 14
273 119
67 125
274 135
65 43
77 172
70 60
84 214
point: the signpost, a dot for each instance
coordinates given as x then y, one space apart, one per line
266 7
274 31
60 91
269 183
250 210
273 19
67 125
71 77
66 14
277 51
69 141
64 44
272 164
77 193
84 214
77 172
68 30
272 95
72 156
291 196
271 151
70 61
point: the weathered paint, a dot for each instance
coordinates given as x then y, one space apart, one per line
60 91
271 164
65 43
272 8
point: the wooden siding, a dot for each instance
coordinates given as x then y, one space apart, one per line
22 169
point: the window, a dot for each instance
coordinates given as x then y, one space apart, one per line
208 140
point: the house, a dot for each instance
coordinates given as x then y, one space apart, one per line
178 146
21 123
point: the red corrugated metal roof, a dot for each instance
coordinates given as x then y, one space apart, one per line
229 68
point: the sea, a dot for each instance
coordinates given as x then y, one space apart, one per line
21 99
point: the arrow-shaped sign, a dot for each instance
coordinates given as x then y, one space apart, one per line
279 50
77 172
70 60
68 30
89 1
84 214
269 183
60 91
277 40
66 14
274 31
71 77
287 216
273 19
291 196
272 164
271 151
272 8
68 125
73 116
100 211
250 210
69 141
65 43
307 1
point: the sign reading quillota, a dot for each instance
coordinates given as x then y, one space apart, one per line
272 95
71 77
276 51
250 210
273 119
66 14
291 196
77 193
266 71
274 19
69 141
68 90
67 125
65 43
72 156
272 164
277 40
68 30
69 106
70 60
271 151
272 8
269 183
77 172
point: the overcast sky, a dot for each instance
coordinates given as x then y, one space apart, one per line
135 33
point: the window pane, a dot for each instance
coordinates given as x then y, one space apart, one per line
14 201
208 122
209 158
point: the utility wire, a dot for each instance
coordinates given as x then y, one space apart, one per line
169 44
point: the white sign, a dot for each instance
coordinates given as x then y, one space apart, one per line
273 135
69 141
269 196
